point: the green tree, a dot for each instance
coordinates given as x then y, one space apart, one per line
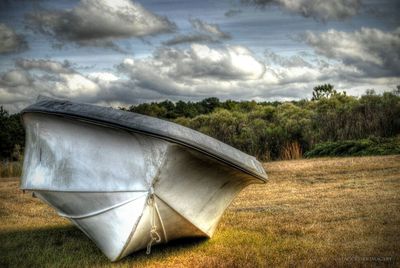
323 91
12 134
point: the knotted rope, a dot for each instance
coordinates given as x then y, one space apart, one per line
154 235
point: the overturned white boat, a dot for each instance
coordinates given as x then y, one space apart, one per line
129 181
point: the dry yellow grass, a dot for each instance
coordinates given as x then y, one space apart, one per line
318 212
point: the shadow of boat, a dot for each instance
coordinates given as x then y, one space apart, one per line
67 246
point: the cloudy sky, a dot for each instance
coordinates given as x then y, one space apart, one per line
122 52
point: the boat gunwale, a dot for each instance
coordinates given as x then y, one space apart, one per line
115 125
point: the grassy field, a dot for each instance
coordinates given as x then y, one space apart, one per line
316 212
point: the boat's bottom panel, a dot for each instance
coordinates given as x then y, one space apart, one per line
145 190
110 225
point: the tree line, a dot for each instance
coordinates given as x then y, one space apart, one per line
267 130
286 130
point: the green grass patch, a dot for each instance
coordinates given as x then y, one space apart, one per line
363 147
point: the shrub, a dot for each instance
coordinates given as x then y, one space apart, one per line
370 146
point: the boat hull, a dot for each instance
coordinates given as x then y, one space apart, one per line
121 188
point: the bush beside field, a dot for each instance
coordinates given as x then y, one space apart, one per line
362 147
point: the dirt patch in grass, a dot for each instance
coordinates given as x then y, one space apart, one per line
316 212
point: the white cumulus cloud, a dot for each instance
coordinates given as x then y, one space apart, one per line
98 22
200 71
10 41
372 51
204 32
322 10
